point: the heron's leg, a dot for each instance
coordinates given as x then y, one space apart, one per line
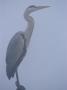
17 82
19 87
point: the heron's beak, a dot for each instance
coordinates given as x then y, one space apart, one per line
41 7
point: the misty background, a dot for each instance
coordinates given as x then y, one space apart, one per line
45 64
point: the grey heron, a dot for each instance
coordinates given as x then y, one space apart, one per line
18 45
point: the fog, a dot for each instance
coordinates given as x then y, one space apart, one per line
45 64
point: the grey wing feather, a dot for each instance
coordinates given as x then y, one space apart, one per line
15 52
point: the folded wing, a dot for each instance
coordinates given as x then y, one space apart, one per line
15 53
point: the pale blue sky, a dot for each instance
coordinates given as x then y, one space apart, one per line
45 65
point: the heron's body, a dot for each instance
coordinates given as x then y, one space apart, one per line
15 53
18 45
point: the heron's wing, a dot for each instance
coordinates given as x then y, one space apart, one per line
14 52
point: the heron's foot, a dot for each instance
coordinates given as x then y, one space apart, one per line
21 88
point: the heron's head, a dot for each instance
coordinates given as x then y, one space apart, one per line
33 8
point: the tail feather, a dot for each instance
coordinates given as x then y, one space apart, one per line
9 73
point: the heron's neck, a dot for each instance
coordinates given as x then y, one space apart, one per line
29 30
